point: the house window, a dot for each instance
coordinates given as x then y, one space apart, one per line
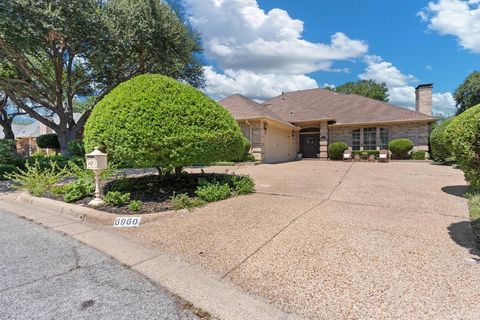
369 138
383 138
356 139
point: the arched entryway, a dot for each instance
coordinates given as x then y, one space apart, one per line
310 142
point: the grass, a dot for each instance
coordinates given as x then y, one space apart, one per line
473 197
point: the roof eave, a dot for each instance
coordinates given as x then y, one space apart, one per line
287 124
430 120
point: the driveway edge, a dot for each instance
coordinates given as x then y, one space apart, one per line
191 283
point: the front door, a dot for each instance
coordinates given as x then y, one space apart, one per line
310 145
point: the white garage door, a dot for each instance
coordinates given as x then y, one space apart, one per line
277 145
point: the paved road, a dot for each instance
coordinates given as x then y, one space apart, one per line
46 275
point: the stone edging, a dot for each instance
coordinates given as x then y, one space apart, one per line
191 283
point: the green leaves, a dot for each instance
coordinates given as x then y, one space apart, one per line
467 94
155 121
366 88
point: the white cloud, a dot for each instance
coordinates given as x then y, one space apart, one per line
459 18
254 85
248 44
401 86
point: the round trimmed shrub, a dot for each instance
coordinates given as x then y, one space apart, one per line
464 131
48 141
336 149
400 147
418 155
156 121
441 142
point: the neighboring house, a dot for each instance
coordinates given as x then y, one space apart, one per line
307 121
26 136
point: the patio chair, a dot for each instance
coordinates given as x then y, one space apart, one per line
371 158
383 156
357 158
347 155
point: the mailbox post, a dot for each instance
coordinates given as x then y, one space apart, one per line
97 162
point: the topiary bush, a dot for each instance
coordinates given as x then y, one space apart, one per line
48 141
400 147
464 131
441 142
418 155
336 149
155 121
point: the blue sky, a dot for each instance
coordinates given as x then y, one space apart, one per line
262 47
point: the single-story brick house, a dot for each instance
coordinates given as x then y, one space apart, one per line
306 121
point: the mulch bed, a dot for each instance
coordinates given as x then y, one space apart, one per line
153 191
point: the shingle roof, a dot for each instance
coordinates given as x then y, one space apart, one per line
315 104
24 130
244 108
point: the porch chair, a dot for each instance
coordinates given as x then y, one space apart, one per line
357 158
383 156
347 155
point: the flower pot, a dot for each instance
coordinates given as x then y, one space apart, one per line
318 155
299 156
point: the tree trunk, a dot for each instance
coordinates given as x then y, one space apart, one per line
8 131
178 170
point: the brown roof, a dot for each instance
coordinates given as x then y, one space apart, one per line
244 108
315 104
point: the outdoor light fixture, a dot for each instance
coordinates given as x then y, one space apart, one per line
97 162
265 126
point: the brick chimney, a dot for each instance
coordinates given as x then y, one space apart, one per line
423 98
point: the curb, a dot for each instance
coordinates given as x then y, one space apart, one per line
80 212
191 283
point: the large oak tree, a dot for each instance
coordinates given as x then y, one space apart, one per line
366 88
54 51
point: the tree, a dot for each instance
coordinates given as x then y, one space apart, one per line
8 113
156 121
54 51
366 88
467 94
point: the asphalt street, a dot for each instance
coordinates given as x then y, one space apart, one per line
46 275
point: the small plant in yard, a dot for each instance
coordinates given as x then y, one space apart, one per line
336 149
36 180
135 205
213 191
400 147
243 185
418 155
77 190
183 201
117 198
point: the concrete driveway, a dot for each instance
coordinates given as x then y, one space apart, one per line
339 240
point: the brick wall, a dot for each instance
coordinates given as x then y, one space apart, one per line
419 134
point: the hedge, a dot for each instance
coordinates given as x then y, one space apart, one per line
48 141
441 142
156 121
400 147
464 131
336 149
369 152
